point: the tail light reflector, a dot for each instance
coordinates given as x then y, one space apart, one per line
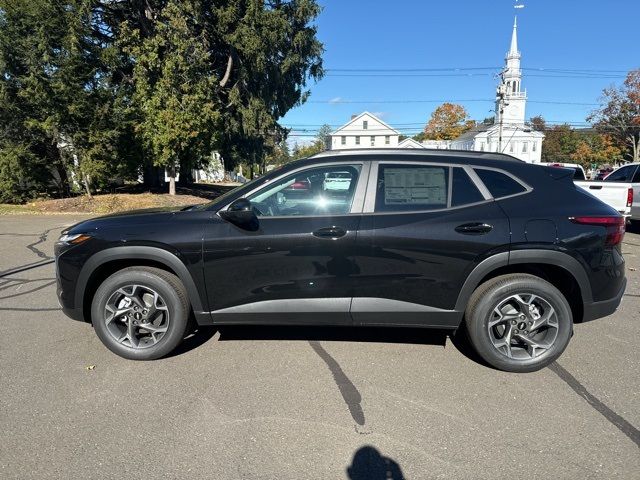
629 197
615 226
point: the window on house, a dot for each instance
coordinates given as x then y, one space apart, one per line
524 147
357 140
482 146
534 146
387 139
373 140
511 147
343 140
365 124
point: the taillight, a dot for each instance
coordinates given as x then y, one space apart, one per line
615 226
629 197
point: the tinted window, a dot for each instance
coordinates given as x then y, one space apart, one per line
623 174
411 187
578 174
499 184
464 190
636 177
316 191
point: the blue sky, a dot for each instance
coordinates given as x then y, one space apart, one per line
423 34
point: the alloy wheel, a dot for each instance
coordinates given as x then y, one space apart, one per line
523 326
136 316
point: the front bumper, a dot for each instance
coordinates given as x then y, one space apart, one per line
604 308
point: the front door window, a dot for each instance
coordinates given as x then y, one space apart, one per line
313 192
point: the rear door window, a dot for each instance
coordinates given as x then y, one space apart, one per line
410 187
499 184
623 174
464 191
636 177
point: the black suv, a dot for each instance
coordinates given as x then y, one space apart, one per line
512 253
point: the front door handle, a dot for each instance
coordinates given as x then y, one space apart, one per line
474 228
330 232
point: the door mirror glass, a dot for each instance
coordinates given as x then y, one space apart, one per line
241 214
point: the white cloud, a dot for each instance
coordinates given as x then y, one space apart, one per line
380 115
335 100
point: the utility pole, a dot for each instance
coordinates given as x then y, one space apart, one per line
500 94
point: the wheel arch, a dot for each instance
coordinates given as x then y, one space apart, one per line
560 269
106 262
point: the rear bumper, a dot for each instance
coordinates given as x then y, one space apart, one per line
594 310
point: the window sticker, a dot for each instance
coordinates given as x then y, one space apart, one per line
415 186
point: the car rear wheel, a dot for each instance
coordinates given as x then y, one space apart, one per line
140 313
518 322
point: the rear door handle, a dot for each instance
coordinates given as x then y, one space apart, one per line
474 228
330 232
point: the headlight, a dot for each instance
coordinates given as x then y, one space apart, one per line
74 239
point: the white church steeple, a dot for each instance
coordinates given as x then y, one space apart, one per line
515 98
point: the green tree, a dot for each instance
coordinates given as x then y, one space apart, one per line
560 142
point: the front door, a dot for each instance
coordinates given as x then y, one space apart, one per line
420 237
298 266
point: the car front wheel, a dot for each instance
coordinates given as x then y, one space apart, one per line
518 322
140 313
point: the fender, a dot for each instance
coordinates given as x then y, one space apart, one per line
156 254
551 257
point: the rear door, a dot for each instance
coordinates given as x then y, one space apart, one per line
425 226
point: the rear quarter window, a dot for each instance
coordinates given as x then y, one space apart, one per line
499 184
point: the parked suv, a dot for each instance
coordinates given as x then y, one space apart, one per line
511 253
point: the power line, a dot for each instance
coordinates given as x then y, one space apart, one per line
468 100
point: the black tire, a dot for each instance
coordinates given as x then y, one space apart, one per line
483 310
174 301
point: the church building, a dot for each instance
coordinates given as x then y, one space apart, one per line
509 133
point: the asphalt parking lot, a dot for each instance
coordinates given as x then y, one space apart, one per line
288 403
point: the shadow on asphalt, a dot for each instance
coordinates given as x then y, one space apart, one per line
399 335
633 227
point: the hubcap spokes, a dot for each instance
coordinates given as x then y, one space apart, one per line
136 316
523 326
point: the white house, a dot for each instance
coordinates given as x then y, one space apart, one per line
509 133
410 143
364 131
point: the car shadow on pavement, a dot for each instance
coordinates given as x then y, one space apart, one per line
399 335
333 333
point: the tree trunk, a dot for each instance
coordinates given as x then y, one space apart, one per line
87 186
172 180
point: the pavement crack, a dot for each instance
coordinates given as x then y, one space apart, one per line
348 390
42 238
620 423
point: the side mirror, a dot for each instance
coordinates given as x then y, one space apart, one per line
241 214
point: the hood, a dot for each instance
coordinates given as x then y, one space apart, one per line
133 217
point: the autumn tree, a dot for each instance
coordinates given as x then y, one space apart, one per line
596 148
619 115
560 142
447 122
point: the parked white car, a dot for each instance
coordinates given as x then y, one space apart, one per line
337 181
630 175
615 190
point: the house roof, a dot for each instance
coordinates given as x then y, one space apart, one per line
410 141
355 119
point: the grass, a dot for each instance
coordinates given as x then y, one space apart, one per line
101 204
